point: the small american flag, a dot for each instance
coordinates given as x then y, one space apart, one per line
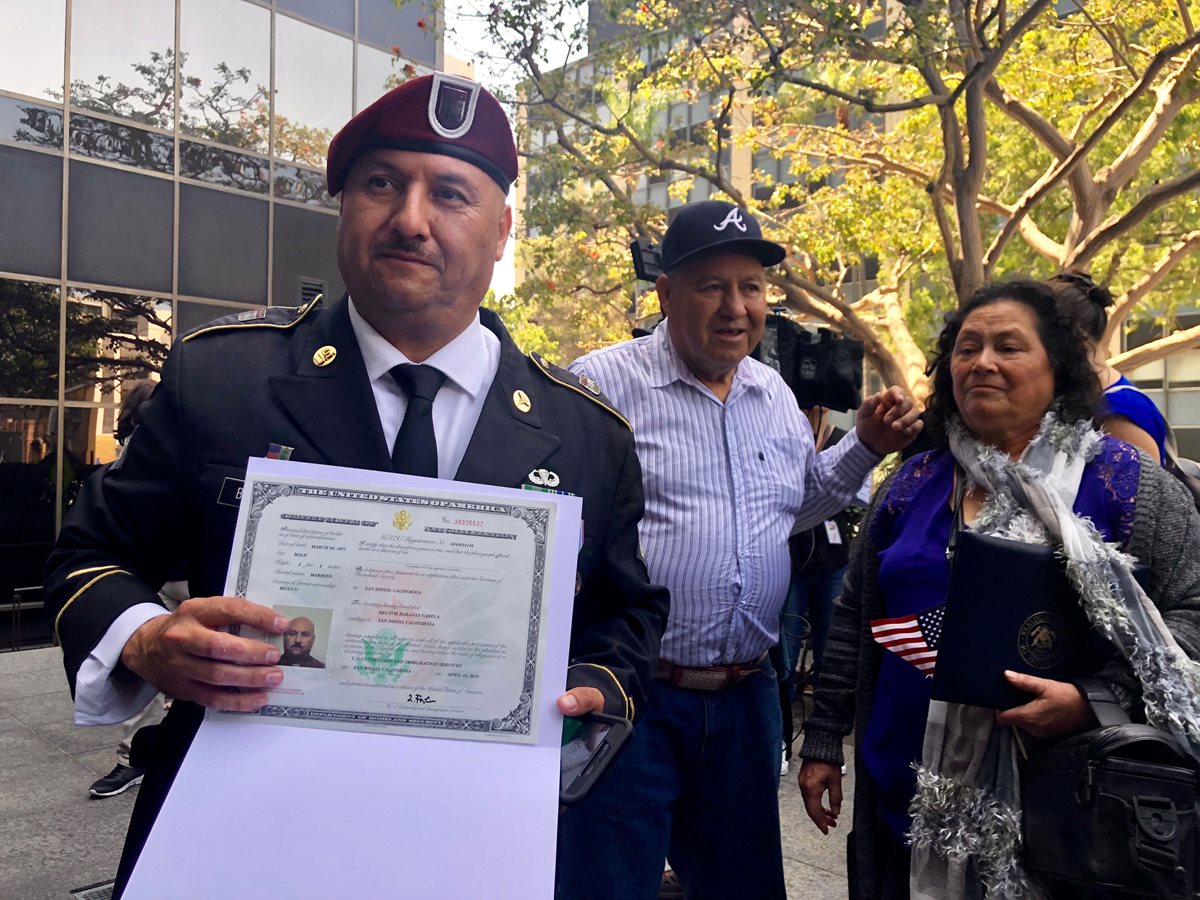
913 638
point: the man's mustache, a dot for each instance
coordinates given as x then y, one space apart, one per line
416 249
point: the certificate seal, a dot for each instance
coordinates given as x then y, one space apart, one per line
382 659
401 520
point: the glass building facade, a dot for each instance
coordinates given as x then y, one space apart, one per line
161 165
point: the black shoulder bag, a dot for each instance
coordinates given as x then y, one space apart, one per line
1113 810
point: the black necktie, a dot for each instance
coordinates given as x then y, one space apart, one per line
415 452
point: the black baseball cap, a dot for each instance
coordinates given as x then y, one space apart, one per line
714 226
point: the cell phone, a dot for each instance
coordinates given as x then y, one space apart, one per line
590 742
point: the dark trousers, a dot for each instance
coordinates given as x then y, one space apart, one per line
698 784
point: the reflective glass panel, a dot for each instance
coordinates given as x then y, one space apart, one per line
114 341
311 101
31 226
225 72
334 13
28 471
109 141
379 72
217 165
119 228
31 47
192 315
408 27
305 250
302 185
123 59
222 245
29 123
88 433
28 340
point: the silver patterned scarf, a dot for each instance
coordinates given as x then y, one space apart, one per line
966 831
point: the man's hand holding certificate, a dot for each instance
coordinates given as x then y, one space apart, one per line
419 611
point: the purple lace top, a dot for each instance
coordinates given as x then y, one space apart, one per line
910 528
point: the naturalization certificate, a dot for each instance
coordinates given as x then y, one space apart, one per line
412 610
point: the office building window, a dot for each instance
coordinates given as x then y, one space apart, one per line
29 314
114 340
222 245
30 123
125 144
31 47
311 102
31 227
337 14
123 59
408 26
119 228
225 72
302 242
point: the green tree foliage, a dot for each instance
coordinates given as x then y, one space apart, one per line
937 146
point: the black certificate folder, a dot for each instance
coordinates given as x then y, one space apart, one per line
1009 606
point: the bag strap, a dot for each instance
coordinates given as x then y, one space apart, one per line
1103 702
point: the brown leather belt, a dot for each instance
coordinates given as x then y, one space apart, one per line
709 678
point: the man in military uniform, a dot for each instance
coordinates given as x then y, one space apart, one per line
405 373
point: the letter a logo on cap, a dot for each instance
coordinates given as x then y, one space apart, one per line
452 105
734 218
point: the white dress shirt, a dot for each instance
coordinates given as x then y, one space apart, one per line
469 361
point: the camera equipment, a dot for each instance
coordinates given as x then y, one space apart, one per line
647 259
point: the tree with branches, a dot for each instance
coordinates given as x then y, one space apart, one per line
905 153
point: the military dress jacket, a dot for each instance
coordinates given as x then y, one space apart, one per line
232 388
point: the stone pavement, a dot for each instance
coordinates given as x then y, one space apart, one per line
54 838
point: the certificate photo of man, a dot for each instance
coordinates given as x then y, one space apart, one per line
305 642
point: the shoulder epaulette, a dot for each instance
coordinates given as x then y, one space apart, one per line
584 385
263 317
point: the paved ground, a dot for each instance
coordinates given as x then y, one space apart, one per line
53 838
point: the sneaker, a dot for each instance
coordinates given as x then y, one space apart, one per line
120 779
783 765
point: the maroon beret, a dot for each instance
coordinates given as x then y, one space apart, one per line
436 113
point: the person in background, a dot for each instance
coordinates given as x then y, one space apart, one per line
173 592
1123 411
1012 400
729 464
819 556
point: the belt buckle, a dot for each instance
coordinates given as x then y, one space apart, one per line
712 679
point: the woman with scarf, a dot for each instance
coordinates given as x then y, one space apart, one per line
937 807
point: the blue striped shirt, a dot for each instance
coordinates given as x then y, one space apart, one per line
724 483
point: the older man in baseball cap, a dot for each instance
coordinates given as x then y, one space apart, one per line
730 469
405 373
